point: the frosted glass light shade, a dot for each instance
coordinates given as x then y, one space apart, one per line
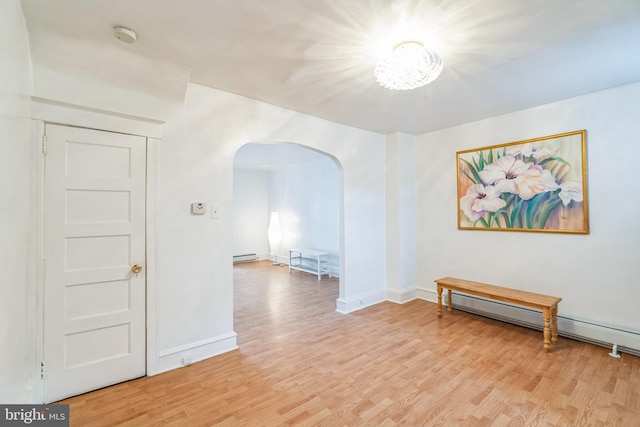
410 66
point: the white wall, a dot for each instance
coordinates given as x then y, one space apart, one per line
400 217
250 211
307 195
596 274
138 87
17 301
194 274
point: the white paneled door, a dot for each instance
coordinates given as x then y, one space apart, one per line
94 260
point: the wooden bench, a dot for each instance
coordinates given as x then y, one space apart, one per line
546 303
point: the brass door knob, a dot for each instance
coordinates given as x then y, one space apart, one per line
136 268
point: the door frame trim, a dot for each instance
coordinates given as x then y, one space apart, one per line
150 251
35 341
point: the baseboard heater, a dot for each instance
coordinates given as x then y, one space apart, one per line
600 335
244 258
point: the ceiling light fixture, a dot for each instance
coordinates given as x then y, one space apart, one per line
409 66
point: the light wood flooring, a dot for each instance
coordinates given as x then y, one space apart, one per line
301 363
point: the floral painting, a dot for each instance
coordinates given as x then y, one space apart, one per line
533 185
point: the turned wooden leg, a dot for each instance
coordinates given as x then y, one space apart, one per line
547 329
439 301
449 303
554 324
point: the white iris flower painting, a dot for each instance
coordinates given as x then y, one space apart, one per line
534 185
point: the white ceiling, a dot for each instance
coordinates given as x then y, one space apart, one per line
318 56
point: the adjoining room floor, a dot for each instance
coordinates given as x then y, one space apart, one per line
302 363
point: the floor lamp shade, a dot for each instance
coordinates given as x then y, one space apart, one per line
274 233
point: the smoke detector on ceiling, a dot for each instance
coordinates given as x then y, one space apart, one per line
125 34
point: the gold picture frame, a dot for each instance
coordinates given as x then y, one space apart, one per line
532 185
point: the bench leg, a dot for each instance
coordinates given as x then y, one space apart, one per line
439 301
449 302
547 328
554 324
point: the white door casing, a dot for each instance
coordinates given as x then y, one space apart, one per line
94 232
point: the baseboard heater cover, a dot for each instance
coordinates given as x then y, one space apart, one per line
526 317
244 258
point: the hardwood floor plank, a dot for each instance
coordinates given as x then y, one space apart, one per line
302 363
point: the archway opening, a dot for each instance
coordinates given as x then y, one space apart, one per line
305 187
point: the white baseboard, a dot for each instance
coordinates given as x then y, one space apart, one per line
184 355
603 335
237 259
267 257
358 302
427 295
400 296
